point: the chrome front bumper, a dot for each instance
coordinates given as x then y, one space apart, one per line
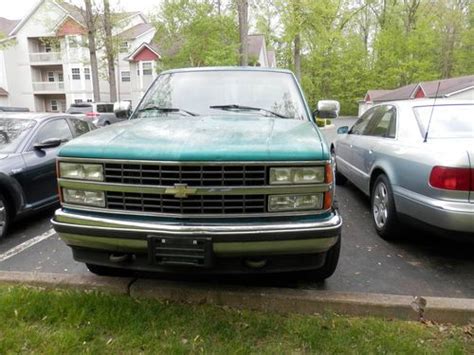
130 235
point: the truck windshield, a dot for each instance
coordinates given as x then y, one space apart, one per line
447 121
221 92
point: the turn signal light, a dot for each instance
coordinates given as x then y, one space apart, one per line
446 178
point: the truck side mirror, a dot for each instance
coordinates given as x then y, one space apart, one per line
327 109
122 109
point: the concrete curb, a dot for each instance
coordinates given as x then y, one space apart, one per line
67 281
442 310
438 309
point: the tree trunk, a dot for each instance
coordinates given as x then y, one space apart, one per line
297 56
92 50
110 54
243 10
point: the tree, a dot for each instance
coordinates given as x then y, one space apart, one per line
91 33
192 33
110 52
243 13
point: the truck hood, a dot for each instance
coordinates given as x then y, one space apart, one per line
219 138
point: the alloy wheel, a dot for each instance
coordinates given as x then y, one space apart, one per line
3 217
380 205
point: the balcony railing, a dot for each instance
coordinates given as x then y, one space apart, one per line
45 57
49 86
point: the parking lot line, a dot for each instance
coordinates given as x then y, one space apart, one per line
25 245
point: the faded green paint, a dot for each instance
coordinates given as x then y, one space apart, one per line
202 138
104 243
301 246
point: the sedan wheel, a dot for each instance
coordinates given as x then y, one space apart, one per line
383 209
4 216
379 208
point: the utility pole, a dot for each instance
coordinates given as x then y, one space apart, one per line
109 49
243 10
90 23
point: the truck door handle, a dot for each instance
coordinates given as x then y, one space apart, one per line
370 151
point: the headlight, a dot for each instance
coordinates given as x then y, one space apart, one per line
302 175
295 202
81 197
81 171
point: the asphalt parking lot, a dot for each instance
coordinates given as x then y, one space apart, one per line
421 264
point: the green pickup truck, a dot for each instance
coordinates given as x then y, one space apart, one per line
218 170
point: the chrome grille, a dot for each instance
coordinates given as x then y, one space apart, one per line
194 204
192 175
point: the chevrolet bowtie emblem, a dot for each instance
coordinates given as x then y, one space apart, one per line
180 190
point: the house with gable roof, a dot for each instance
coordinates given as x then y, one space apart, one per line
454 88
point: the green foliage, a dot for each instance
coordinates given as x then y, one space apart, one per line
191 33
321 122
347 47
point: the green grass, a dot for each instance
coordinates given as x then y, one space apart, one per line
33 320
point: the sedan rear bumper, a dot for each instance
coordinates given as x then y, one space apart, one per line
447 215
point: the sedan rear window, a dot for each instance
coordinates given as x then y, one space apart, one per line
12 133
79 108
447 121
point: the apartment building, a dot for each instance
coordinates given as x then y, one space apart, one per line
46 65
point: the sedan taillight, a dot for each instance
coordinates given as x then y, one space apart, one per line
446 178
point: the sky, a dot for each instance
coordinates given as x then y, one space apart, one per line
17 9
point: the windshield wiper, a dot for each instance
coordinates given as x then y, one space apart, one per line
167 109
246 108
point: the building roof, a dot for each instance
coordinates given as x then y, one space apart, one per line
3 92
136 31
447 87
375 94
76 12
256 42
6 25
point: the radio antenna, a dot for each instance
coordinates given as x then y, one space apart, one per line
431 114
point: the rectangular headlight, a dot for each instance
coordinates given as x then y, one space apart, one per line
80 171
300 175
82 197
295 202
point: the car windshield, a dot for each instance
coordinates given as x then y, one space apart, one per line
224 92
12 133
447 121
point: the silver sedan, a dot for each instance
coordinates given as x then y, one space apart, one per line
415 159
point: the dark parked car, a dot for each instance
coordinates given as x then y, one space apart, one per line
29 143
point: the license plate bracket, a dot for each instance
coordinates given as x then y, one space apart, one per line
180 251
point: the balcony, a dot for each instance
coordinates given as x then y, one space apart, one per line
48 87
45 58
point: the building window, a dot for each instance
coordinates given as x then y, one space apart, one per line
147 68
53 104
87 73
124 47
60 77
77 101
125 76
47 47
90 100
76 74
50 76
